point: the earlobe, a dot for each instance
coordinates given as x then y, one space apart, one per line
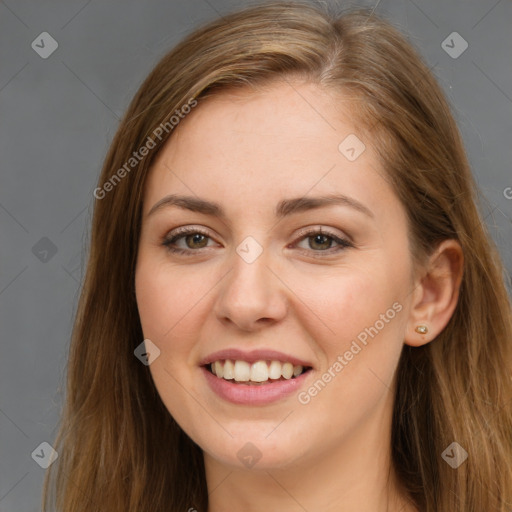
436 294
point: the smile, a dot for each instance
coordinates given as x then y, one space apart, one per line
254 393
258 372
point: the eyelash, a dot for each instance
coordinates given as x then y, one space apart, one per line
180 233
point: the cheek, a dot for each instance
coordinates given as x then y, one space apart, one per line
169 311
359 351
339 304
173 304
167 297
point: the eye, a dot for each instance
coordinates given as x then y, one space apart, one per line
319 240
193 238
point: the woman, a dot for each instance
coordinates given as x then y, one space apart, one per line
291 301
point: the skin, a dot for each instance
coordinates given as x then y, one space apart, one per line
247 151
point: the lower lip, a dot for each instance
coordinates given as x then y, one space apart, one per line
245 394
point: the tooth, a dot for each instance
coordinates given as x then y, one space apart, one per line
287 370
229 369
259 371
218 369
274 371
242 371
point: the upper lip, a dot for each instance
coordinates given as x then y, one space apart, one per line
252 356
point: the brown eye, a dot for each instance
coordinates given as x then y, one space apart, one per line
193 240
197 238
319 241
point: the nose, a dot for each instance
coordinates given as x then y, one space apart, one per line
251 295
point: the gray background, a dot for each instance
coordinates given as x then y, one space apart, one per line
58 116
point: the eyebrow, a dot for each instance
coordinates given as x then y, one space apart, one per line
284 208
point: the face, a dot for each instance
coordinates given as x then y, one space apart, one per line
271 279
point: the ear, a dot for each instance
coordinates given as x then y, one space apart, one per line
436 293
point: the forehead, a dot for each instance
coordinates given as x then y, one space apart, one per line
281 115
253 147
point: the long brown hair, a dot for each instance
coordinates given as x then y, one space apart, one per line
119 448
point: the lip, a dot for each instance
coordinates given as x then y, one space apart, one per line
245 394
251 357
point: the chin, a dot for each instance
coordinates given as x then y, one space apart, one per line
255 452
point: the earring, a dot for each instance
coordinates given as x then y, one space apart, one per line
421 329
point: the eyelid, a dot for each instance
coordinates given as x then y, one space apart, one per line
186 230
318 228
183 231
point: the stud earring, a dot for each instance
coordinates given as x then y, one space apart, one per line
421 329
